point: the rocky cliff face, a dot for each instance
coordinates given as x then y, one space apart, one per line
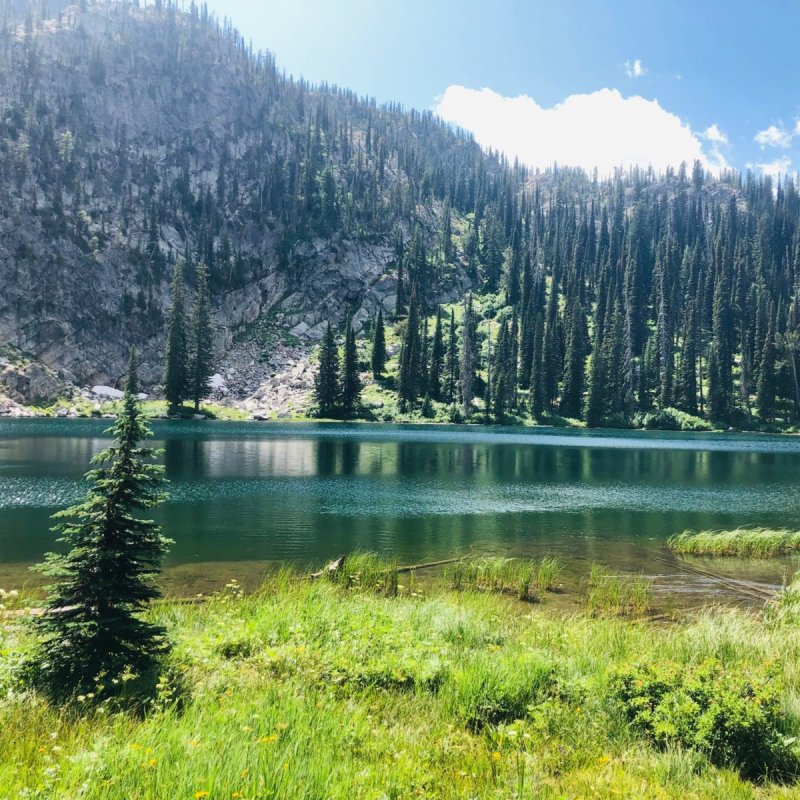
130 138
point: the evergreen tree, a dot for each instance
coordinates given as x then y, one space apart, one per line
176 379
202 341
766 378
575 364
408 383
466 363
437 360
327 389
93 636
351 378
452 360
378 360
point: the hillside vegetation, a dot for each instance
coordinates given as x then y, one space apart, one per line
132 137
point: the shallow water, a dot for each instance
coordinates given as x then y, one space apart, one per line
244 496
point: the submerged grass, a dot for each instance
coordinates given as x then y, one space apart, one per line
342 689
522 577
616 594
742 542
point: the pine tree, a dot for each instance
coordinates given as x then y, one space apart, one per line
378 360
466 364
536 373
326 385
93 636
351 379
766 379
452 360
410 357
176 379
575 364
437 360
202 342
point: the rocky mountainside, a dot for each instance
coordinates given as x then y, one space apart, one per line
131 137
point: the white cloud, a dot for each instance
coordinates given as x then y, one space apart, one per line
713 134
774 136
602 129
780 166
797 128
635 68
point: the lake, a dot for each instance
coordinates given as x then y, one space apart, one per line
245 496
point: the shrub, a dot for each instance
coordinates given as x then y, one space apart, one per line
671 419
735 719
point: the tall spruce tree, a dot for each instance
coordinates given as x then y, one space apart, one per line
201 362
452 360
378 358
176 357
95 643
437 360
351 378
466 361
408 379
327 389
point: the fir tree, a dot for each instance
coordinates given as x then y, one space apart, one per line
410 357
766 379
202 340
94 639
378 359
437 360
452 360
351 379
466 363
326 385
176 379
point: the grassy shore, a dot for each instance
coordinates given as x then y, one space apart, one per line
742 542
373 685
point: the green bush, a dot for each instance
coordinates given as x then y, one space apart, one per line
735 719
671 419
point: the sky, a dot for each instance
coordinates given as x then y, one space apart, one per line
577 82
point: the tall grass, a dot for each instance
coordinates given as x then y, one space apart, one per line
743 542
522 577
327 689
616 594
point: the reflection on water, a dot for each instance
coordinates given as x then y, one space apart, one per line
244 493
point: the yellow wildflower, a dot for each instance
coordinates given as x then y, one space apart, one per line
603 760
268 739
200 795
496 756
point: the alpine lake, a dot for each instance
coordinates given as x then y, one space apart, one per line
245 498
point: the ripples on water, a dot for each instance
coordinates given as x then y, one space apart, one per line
242 491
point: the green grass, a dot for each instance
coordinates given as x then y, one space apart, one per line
742 542
339 689
608 593
521 577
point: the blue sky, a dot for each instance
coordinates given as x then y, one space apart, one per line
601 82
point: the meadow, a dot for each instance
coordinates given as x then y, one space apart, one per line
377 684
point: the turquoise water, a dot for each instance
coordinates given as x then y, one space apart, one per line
243 495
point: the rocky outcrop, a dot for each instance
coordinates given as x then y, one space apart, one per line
131 137
30 383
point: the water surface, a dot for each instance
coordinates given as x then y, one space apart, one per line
246 495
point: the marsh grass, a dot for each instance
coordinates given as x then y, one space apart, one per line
621 595
742 542
527 579
336 689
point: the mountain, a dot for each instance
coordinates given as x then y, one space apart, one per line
133 138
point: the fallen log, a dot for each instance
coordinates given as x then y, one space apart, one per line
330 569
